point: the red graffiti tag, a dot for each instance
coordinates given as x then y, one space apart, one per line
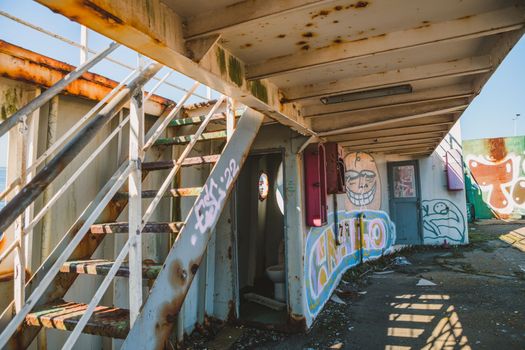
495 174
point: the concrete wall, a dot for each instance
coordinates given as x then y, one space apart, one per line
444 212
495 172
443 218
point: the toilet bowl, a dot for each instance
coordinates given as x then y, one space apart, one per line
276 274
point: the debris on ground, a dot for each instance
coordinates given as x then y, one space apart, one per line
425 283
401 261
336 299
471 290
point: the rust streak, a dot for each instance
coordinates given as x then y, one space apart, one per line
24 65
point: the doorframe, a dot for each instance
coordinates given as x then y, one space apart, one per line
390 166
237 295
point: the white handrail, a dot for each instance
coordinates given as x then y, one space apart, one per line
169 178
75 175
70 132
53 271
75 44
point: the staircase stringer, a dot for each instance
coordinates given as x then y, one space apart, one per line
23 337
159 312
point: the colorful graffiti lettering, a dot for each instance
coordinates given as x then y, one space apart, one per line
363 187
207 209
442 220
496 169
326 261
501 182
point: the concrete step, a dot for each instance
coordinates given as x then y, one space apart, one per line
180 140
168 164
174 192
150 227
194 120
105 321
101 267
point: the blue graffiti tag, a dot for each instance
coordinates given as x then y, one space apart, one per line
326 261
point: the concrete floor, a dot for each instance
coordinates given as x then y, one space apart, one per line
477 302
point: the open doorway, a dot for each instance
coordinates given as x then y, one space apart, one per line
261 241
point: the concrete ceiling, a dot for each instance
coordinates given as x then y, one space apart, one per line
289 54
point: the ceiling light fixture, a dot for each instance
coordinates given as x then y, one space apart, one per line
361 95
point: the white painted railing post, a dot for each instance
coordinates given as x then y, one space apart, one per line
84 50
19 260
230 118
136 144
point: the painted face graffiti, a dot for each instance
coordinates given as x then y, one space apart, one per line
442 220
326 261
362 182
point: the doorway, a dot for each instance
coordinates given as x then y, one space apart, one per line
405 201
261 267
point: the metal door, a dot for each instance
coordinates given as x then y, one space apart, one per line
404 193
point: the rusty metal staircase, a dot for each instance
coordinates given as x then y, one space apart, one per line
145 324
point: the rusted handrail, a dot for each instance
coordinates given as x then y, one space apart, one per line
40 182
54 90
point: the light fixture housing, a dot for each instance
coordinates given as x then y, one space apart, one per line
361 95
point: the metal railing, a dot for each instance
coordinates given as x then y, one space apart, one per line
64 150
129 169
84 50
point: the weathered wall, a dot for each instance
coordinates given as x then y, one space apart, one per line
495 168
443 212
363 208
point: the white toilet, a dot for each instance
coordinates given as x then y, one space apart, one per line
276 274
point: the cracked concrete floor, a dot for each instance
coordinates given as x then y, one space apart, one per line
477 302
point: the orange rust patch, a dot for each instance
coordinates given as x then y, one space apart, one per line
178 274
496 148
322 13
361 4
9 275
24 65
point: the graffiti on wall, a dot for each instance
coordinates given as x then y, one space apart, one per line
363 186
497 166
442 220
326 260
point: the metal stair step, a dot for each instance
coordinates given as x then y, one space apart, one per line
174 192
194 120
178 140
105 321
168 164
101 267
150 227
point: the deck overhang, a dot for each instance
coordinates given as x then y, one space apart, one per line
284 58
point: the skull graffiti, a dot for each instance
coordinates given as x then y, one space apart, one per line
363 187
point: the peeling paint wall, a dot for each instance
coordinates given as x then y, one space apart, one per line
495 171
443 212
364 230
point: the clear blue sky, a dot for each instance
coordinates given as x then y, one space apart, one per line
489 115
491 112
